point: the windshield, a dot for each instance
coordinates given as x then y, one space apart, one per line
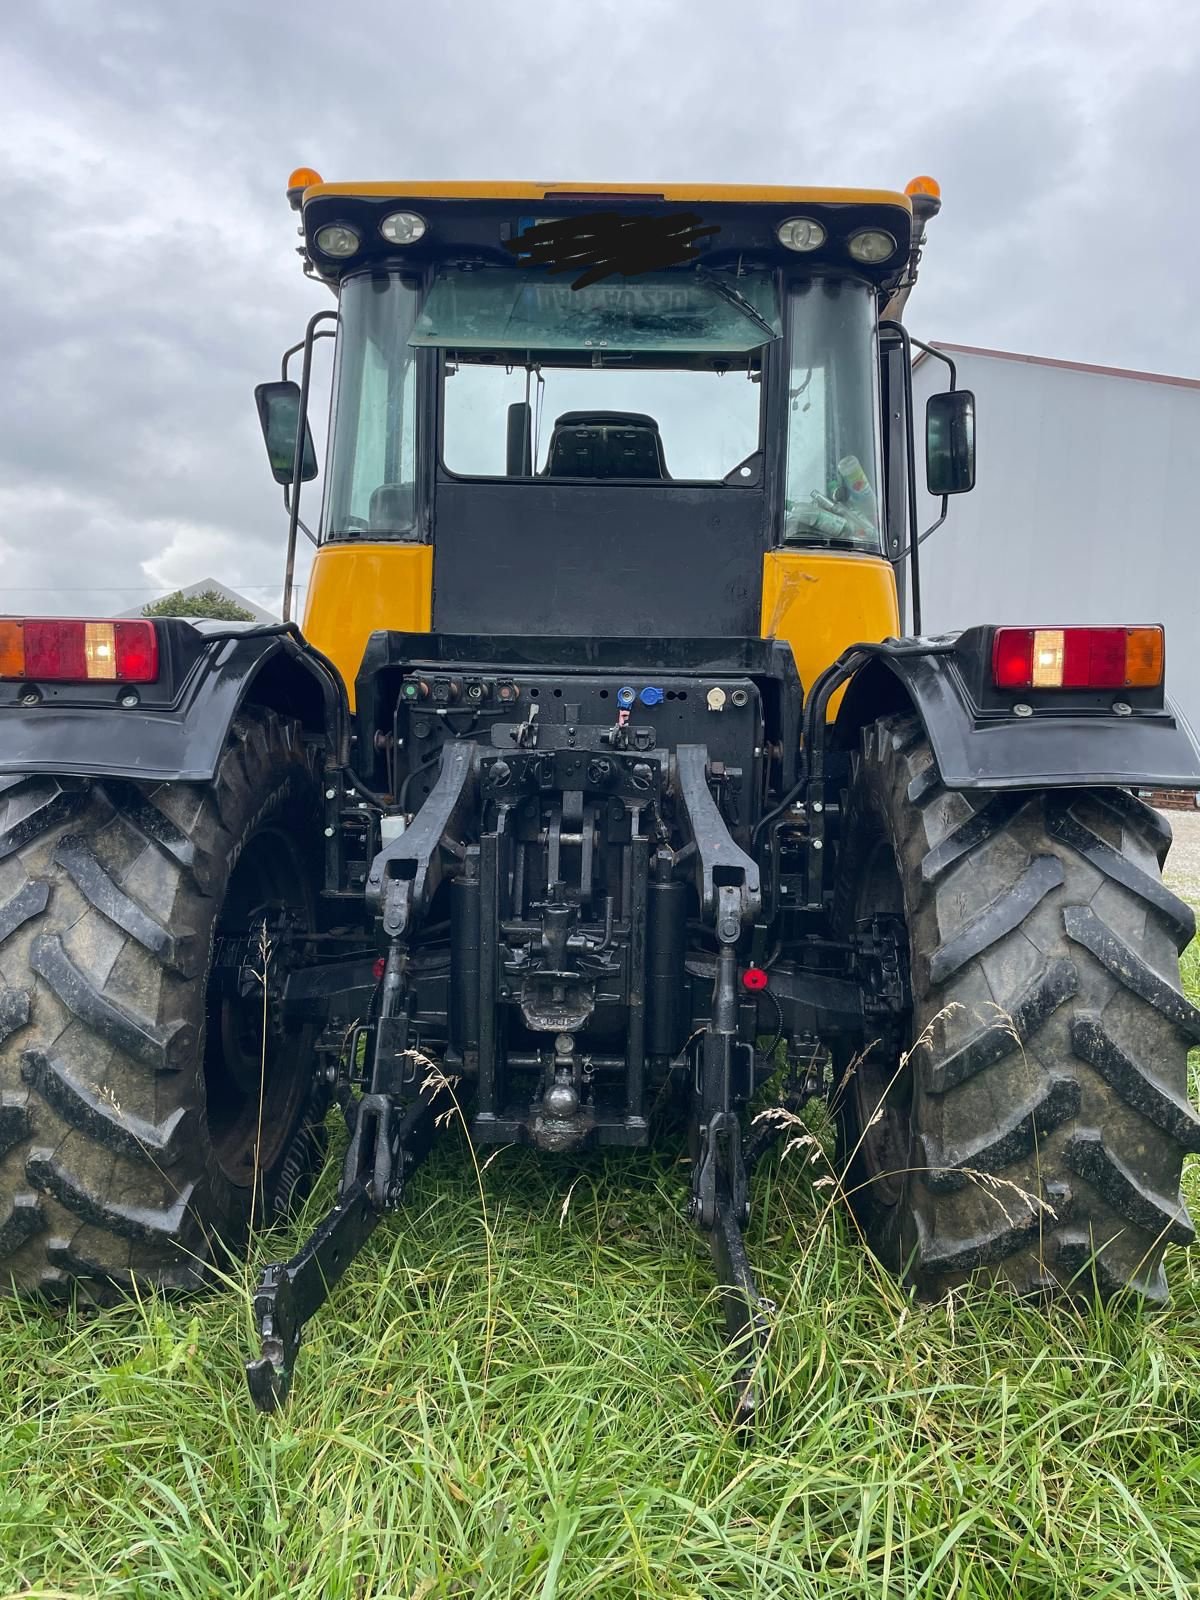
833 485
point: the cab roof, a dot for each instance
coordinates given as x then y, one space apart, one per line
481 221
693 193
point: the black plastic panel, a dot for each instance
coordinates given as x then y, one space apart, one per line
978 748
627 560
178 727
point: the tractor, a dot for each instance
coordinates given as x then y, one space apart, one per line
601 791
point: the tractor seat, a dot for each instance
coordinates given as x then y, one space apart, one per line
606 444
392 508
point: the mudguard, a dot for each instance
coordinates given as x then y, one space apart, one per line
1060 740
176 727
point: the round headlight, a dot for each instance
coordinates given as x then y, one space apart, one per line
871 246
800 233
403 227
337 240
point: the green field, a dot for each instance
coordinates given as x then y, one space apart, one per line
518 1392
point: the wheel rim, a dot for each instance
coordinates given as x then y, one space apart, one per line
249 1060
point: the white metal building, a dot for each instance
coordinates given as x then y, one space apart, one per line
1086 506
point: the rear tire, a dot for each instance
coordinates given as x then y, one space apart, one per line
1038 1131
130 1055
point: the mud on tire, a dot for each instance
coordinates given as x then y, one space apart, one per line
1040 1133
129 1082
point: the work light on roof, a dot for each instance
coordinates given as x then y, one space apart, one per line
871 246
338 240
403 227
800 233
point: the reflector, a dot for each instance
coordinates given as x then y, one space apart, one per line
1012 658
55 650
137 652
1144 658
12 650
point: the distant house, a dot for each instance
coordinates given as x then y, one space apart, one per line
211 586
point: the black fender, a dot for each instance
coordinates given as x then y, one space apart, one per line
176 727
1062 739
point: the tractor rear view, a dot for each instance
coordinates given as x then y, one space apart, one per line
601 782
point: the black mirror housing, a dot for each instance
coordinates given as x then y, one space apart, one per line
950 442
279 415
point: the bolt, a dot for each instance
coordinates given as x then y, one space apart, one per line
331 794
329 833
129 699
817 806
30 698
1122 709
818 844
1022 710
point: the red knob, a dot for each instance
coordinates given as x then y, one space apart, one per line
754 979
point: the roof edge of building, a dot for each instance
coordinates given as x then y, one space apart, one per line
1067 366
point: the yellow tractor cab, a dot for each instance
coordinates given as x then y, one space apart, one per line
657 406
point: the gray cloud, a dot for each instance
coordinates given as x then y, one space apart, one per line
148 265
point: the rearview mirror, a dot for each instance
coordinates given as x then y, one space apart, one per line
279 412
950 442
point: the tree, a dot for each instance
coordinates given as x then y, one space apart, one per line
210 603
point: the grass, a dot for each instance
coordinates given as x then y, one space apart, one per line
556 1426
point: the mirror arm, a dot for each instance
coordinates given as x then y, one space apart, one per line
322 333
911 551
899 331
938 355
300 522
310 335
287 358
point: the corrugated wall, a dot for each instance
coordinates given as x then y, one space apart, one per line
1086 507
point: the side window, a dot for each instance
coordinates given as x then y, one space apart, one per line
808 434
372 477
370 457
834 489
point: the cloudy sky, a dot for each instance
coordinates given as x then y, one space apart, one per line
147 261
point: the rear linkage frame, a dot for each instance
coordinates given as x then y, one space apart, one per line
405 1097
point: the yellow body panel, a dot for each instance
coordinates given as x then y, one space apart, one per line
722 193
820 601
356 589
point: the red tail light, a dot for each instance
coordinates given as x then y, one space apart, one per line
69 650
1077 658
